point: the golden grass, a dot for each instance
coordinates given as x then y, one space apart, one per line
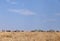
29 36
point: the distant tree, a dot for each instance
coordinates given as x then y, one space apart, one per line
37 30
3 30
57 31
41 31
16 31
32 30
51 30
22 30
8 30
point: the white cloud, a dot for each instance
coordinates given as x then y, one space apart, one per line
49 20
22 11
11 1
52 20
57 14
23 4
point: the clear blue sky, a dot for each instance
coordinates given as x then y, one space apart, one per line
30 14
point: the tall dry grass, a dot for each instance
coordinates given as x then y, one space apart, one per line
29 36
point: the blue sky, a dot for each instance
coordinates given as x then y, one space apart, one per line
30 14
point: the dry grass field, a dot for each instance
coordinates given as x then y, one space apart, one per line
29 36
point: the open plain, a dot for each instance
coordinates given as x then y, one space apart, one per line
29 36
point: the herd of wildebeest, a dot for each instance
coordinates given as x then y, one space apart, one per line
30 31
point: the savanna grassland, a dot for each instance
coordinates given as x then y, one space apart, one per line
29 36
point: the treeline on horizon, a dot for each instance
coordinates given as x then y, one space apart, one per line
31 31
